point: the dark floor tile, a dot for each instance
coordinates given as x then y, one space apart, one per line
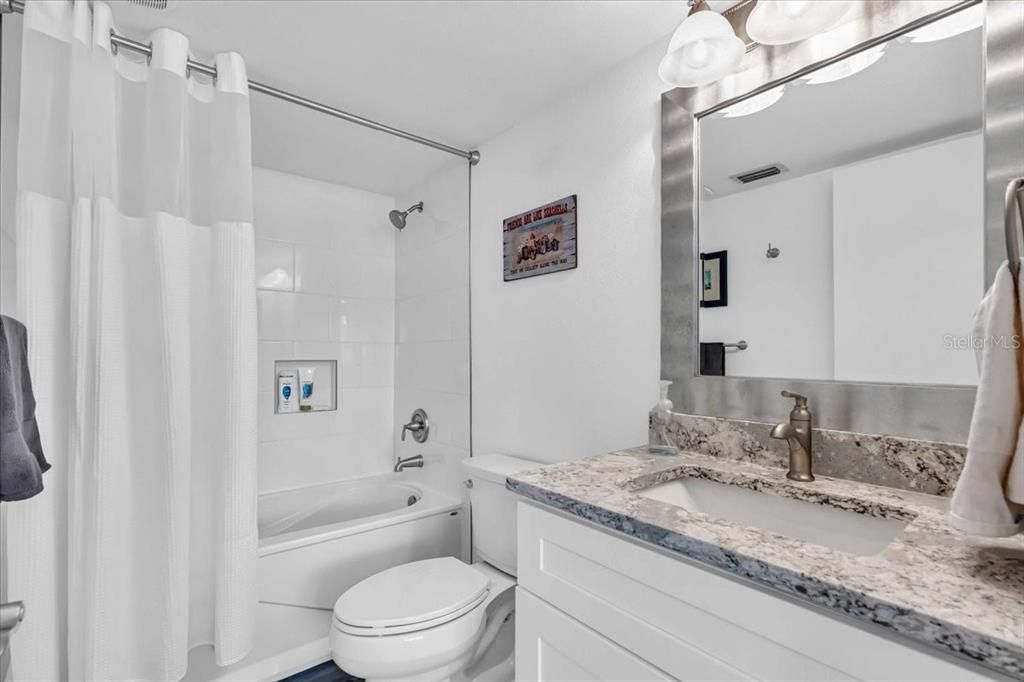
325 672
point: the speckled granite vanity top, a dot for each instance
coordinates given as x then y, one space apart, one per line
962 594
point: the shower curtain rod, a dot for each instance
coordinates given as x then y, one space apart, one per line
119 41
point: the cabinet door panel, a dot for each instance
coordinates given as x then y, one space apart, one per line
552 647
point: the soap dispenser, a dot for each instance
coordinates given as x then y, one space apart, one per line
661 413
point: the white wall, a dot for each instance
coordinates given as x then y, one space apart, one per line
432 326
782 307
10 98
567 364
325 270
909 263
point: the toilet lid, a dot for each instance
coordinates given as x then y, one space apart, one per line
418 592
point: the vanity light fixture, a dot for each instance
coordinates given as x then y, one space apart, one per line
847 67
702 50
779 22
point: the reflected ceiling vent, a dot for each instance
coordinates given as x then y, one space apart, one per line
154 4
759 174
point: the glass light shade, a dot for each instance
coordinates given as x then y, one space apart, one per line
752 105
847 67
703 49
778 22
961 22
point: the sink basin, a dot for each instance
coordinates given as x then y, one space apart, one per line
840 529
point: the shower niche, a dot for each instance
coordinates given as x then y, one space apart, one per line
304 386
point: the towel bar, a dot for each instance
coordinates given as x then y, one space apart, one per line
1014 195
741 345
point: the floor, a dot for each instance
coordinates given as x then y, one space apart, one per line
325 672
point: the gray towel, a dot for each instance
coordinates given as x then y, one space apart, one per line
21 453
712 359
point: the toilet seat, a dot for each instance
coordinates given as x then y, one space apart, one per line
411 597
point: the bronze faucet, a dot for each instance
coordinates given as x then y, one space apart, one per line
798 434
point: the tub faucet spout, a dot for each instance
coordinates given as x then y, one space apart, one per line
416 462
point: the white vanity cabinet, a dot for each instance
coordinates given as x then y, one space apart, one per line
554 647
594 604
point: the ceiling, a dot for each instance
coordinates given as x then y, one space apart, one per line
460 72
915 93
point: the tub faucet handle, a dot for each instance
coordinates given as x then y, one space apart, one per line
419 425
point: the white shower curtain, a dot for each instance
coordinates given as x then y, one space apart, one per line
136 281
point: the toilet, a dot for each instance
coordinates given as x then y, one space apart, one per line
441 619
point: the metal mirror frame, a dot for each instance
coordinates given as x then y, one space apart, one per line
916 411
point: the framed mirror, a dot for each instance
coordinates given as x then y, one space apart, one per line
850 203
854 184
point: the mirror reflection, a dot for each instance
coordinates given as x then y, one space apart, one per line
841 230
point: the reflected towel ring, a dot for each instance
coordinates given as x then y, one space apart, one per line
1014 197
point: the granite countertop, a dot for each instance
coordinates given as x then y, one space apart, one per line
933 584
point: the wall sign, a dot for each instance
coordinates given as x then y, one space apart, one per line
714 279
541 241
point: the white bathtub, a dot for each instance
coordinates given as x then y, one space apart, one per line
317 542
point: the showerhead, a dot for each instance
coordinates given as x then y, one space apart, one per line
398 217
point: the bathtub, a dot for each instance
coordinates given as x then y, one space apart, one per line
316 542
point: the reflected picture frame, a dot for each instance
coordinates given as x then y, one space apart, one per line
714 290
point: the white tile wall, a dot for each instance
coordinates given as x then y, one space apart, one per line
275 263
325 258
297 317
432 327
365 320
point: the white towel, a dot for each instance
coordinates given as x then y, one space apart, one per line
989 496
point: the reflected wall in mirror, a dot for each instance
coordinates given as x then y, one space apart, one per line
850 201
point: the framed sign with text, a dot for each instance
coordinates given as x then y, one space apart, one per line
541 241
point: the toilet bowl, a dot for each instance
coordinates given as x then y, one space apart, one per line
426 620
440 619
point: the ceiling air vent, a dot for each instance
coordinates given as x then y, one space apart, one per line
154 4
759 173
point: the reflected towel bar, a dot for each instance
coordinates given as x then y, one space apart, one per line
741 345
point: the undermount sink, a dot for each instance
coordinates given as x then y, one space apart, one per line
847 531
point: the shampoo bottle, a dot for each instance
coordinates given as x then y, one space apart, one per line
660 414
287 391
306 377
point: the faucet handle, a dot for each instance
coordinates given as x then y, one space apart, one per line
419 425
800 409
801 400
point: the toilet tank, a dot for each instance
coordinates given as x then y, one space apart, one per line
494 508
